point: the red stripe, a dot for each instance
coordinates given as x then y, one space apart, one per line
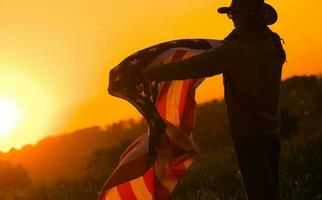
148 178
162 100
126 192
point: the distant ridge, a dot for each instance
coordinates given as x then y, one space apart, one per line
66 155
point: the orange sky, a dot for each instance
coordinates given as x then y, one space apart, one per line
55 55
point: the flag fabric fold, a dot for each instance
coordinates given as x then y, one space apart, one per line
153 164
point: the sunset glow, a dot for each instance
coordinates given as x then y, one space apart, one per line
9 115
55 56
25 109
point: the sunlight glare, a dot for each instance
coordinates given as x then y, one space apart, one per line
9 115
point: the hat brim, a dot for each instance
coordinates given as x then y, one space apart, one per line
269 14
224 10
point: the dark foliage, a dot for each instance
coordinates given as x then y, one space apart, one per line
14 181
289 123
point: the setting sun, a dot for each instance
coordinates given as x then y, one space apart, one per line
25 108
9 116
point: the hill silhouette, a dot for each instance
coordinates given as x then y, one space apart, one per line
71 156
67 155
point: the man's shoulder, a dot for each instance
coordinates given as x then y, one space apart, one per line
233 46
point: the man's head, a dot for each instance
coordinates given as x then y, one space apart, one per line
250 12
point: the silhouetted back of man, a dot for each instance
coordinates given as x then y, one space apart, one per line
251 59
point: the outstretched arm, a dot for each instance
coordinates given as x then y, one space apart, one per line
206 64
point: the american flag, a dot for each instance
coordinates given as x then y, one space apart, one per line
152 165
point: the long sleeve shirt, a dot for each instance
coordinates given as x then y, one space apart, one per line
251 63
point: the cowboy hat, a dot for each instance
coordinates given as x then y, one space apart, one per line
258 9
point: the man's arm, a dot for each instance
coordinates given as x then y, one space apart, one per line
206 64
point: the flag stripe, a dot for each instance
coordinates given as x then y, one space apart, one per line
162 100
140 189
148 178
126 192
173 102
112 194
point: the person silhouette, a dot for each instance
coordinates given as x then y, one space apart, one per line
251 59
